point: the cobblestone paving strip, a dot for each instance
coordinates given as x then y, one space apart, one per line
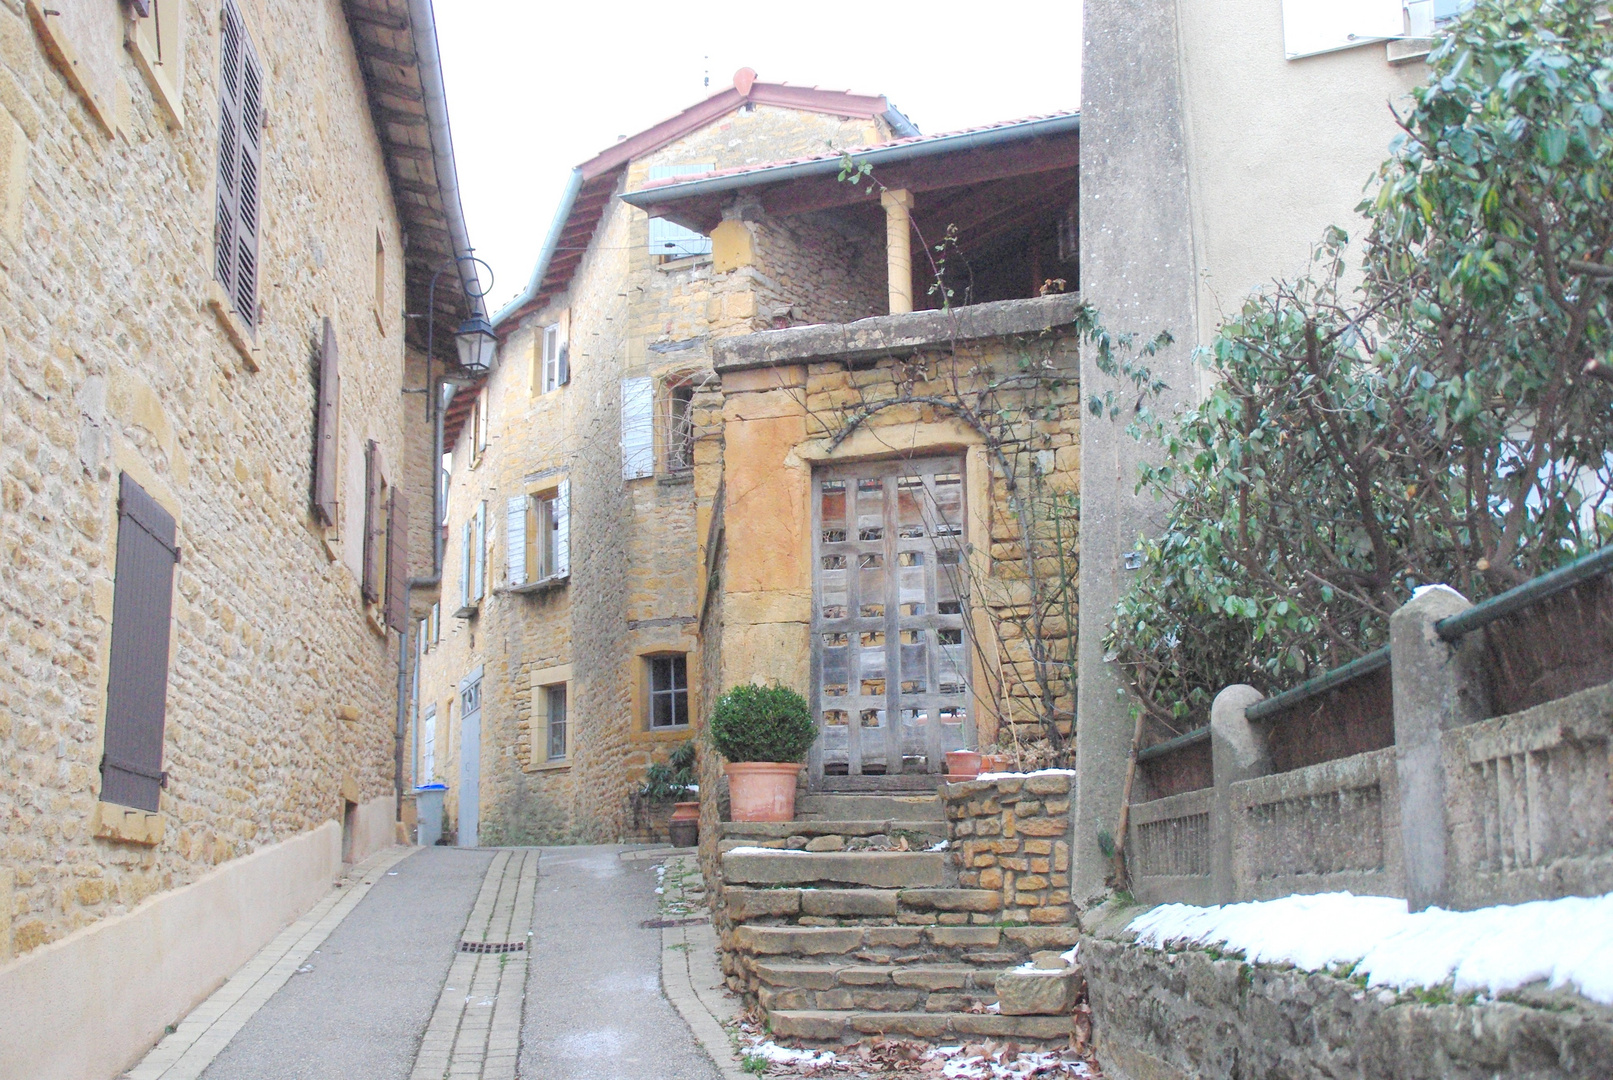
193 1044
475 1030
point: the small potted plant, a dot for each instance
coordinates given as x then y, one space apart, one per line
672 781
764 732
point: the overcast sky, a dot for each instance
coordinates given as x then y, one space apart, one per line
535 89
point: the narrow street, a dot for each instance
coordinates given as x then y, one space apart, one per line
562 979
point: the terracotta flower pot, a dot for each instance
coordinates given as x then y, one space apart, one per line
996 763
762 790
685 824
962 765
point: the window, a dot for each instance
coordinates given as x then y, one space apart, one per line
434 632
554 358
473 561
476 426
680 426
137 683
158 42
428 745
235 236
326 428
669 691
538 536
380 280
385 579
555 712
1423 17
669 240
1319 26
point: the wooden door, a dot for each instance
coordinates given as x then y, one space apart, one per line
890 666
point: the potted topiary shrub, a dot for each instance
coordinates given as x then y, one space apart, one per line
764 732
672 782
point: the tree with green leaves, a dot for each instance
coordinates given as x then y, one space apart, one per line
1447 419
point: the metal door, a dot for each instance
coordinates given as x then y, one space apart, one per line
470 757
890 667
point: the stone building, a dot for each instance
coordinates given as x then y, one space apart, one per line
569 601
588 481
213 217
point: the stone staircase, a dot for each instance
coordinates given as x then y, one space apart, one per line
839 934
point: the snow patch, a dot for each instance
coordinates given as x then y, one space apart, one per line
1023 775
1491 950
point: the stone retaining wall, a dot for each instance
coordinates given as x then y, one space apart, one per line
1172 1015
1012 836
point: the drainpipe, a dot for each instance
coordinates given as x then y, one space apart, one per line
899 247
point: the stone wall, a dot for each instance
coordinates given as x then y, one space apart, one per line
1173 1015
281 689
1011 835
814 268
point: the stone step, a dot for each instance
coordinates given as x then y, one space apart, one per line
796 985
982 946
822 1027
925 807
872 869
920 832
832 907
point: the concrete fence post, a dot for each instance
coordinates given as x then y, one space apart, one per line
1437 685
1237 752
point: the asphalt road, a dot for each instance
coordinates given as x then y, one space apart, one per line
594 1007
359 1013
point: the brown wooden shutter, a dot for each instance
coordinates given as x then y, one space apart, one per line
240 135
397 562
373 521
137 685
325 436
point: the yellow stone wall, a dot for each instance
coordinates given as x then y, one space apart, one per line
635 565
281 691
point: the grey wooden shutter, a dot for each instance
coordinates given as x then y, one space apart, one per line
515 512
372 521
137 684
397 562
240 151
562 530
478 577
464 570
325 437
638 428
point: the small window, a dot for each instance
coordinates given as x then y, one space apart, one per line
555 707
380 280
669 691
553 360
479 425
538 531
680 427
428 745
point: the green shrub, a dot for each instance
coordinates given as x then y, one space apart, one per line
673 779
762 723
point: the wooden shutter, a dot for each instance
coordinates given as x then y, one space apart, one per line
137 685
638 428
478 577
515 524
397 561
465 567
373 522
325 436
562 530
240 152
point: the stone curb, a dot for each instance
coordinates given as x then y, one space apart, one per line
692 982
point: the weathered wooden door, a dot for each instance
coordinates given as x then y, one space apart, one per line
890 666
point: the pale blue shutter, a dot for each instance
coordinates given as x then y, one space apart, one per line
638 428
668 238
562 530
515 537
479 554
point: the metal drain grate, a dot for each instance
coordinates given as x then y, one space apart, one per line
492 946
